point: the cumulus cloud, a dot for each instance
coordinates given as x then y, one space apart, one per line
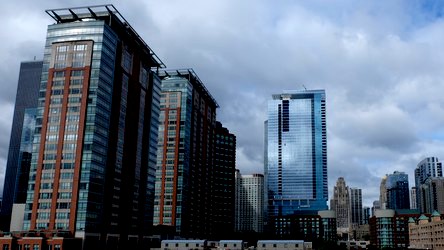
379 61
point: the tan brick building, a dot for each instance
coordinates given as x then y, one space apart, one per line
427 233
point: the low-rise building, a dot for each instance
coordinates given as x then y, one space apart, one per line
230 245
389 228
283 245
354 244
362 233
183 244
306 225
427 233
40 240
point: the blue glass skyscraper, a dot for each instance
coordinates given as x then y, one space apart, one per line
296 153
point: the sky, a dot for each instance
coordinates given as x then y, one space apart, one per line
380 62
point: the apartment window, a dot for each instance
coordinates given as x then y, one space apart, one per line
80 47
63 205
61 57
59 74
36 247
127 59
62 48
5 247
77 73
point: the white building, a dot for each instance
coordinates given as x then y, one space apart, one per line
249 210
283 245
413 204
183 244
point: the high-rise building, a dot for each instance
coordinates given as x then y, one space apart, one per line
428 167
432 193
375 206
296 167
413 204
383 193
185 159
14 189
249 203
340 203
93 160
355 207
224 182
366 215
398 195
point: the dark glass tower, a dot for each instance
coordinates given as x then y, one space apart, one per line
398 192
16 179
94 152
224 182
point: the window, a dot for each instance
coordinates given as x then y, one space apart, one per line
127 60
61 57
59 74
77 73
62 48
80 47
36 247
63 205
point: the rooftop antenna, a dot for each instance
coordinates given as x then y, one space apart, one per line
304 87
34 58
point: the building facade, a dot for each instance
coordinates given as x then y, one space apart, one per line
390 228
17 174
340 203
432 195
355 207
93 161
427 233
383 193
428 167
306 225
185 159
224 182
366 215
296 167
398 194
413 204
249 203
375 207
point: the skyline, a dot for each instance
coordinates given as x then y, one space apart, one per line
380 64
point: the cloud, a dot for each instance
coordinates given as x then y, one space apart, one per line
379 61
